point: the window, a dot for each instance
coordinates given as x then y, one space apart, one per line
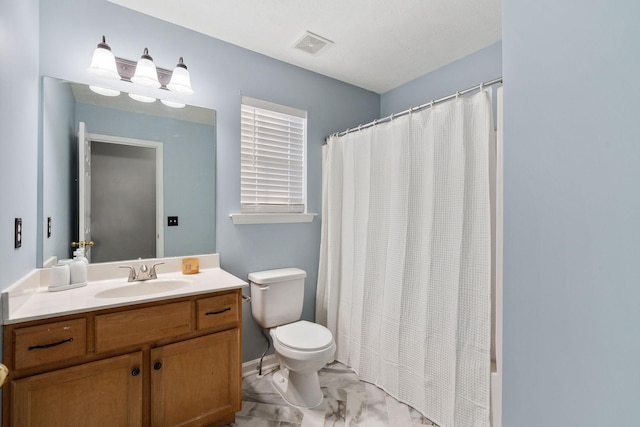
273 145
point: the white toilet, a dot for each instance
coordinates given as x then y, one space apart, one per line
303 348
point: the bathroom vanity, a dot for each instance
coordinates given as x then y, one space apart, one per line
159 359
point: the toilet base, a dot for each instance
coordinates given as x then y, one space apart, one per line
299 390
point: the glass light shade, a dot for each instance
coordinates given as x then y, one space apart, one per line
180 80
172 104
103 63
104 91
141 98
146 73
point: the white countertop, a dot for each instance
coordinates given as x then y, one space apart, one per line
29 299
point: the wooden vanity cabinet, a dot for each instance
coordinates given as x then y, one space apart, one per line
175 362
103 393
183 373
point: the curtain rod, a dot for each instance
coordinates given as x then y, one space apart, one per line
418 108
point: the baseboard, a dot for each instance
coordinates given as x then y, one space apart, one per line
251 367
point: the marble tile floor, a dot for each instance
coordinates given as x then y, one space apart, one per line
348 402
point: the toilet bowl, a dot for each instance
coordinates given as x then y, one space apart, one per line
303 348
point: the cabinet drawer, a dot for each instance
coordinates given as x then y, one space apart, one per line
142 325
219 310
52 342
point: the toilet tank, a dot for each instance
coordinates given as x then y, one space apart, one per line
277 296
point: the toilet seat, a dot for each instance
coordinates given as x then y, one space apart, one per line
304 336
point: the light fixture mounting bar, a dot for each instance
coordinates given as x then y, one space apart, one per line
127 68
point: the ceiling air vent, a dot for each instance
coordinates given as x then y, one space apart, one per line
312 43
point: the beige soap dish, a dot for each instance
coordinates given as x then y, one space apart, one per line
190 265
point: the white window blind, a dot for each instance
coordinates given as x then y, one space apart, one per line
273 144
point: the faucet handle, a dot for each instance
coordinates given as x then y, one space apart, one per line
153 273
132 272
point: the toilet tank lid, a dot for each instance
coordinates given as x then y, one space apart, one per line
274 276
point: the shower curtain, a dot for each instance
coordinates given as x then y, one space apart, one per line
404 276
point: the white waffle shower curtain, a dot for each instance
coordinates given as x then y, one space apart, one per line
404 276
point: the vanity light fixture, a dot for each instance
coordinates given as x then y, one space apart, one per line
146 73
104 91
142 98
103 62
172 104
143 72
180 79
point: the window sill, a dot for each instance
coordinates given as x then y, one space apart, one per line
271 218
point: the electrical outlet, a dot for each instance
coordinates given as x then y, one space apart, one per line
48 227
17 241
172 221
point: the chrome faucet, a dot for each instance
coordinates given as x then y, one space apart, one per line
145 272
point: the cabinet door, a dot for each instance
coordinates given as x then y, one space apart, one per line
105 393
196 382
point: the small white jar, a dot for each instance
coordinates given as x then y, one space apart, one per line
60 275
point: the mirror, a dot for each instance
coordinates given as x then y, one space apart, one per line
182 175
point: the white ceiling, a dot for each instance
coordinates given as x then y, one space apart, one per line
377 44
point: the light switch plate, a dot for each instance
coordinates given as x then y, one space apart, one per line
17 241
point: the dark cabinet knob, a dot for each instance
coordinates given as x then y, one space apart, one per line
157 366
135 372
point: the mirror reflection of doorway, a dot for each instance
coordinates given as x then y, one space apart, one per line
120 197
123 202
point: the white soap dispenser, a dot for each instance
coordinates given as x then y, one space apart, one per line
78 269
80 254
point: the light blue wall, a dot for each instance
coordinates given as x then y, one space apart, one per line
18 135
572 213
220 73
481 66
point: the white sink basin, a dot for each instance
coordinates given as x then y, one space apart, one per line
149 287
